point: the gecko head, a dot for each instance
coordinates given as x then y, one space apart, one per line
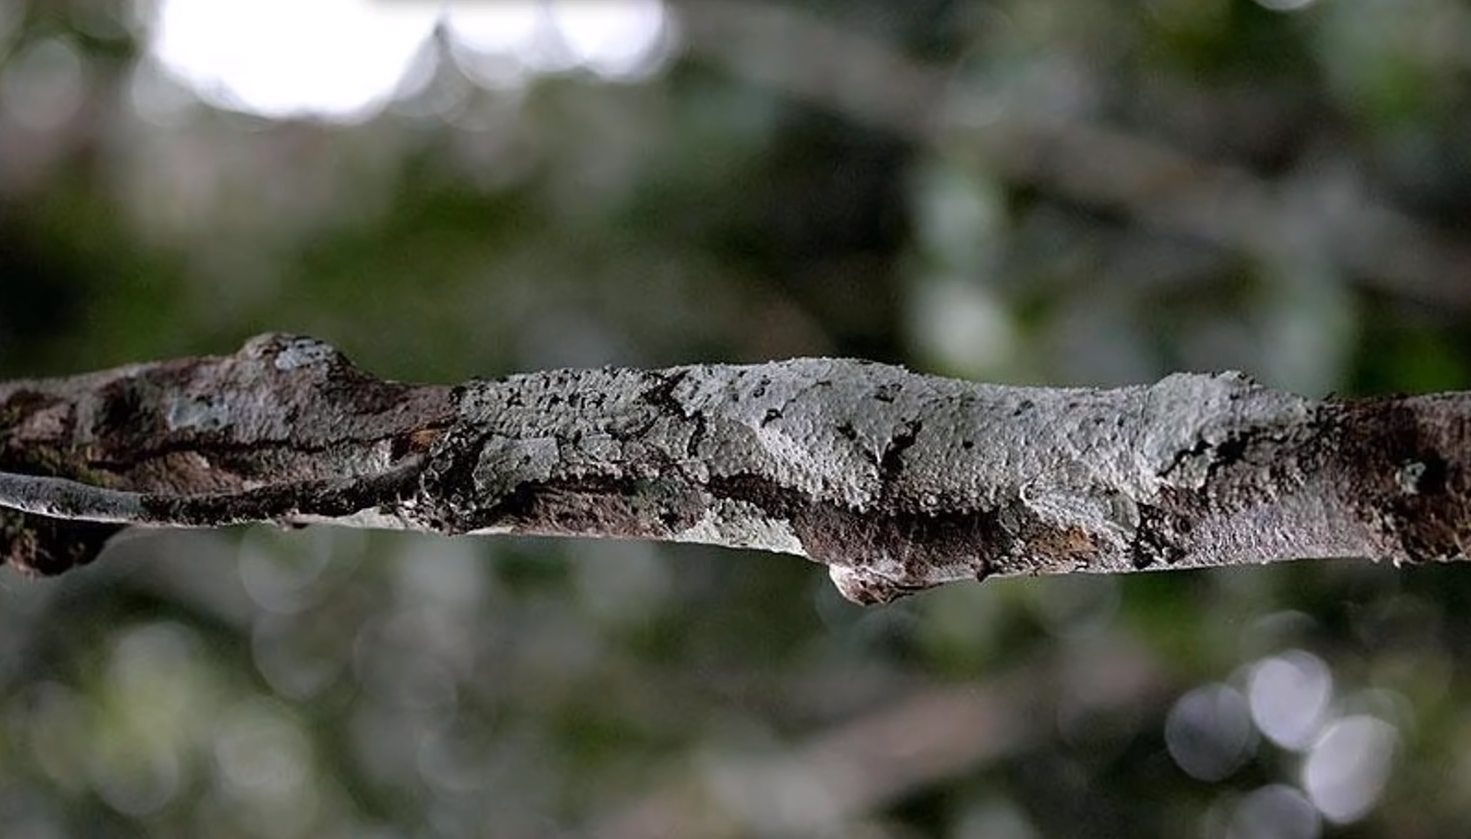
288 352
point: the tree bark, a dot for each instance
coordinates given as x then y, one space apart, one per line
896 481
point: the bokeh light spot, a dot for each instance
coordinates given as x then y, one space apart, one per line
1209 732
1289 696
336 59
343 60
1346 771
264 764
612 39
1276 811
43 84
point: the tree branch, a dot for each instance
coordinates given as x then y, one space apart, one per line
896 481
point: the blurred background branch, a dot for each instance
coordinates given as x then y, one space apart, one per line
849 775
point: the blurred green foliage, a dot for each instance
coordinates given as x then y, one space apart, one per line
1049 191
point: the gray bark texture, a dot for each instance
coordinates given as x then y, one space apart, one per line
896 481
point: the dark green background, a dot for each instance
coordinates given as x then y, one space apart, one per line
1209 184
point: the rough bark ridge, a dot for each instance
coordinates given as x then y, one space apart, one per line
896 481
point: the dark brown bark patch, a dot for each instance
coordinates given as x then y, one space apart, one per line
1405 466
